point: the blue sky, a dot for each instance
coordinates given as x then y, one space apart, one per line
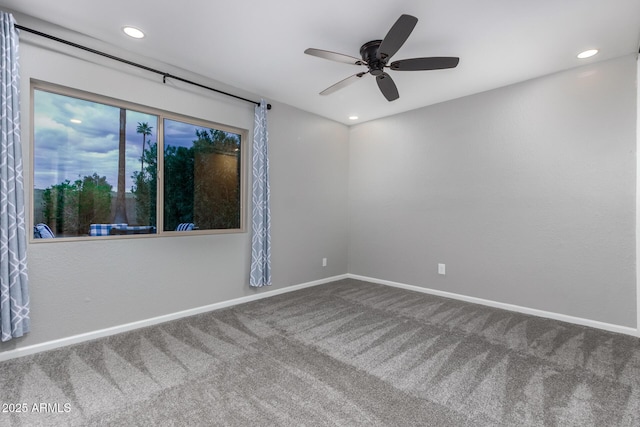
67 150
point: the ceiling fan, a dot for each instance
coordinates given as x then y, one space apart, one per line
376 54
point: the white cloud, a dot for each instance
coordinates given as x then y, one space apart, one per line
65 150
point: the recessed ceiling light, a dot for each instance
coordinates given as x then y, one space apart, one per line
133 32
76 121
587 53
353 117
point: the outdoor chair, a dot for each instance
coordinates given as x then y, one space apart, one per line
42 231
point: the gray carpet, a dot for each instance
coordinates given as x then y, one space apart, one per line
347 353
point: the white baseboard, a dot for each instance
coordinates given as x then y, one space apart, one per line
76 339
511 307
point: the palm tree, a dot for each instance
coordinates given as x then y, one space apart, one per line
120 216
145 130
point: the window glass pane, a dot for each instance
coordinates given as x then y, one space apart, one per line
94 165
202 177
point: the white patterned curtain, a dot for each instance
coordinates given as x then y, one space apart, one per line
261 215
14 296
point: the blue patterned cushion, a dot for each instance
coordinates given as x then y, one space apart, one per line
103 229
185 226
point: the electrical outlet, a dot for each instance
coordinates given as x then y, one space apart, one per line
442 269
324 262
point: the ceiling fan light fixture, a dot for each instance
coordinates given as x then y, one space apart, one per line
587 53
134 32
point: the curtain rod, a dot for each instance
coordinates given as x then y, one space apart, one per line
125 61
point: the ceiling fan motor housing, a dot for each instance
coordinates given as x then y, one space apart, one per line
369 53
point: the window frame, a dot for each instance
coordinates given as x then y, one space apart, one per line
39 85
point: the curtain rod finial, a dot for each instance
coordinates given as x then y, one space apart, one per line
268 106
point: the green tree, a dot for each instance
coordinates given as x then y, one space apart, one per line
217 183
145 187
201 183
178 186
61 207
94 201
69 208
216 141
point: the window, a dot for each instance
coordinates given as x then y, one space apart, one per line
97 171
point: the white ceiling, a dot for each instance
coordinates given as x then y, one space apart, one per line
258 46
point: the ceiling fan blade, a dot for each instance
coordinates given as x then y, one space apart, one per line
387 87
342 83
334 56
419 64
397 35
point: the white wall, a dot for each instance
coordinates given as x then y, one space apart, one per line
79 287
527 193
309 161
